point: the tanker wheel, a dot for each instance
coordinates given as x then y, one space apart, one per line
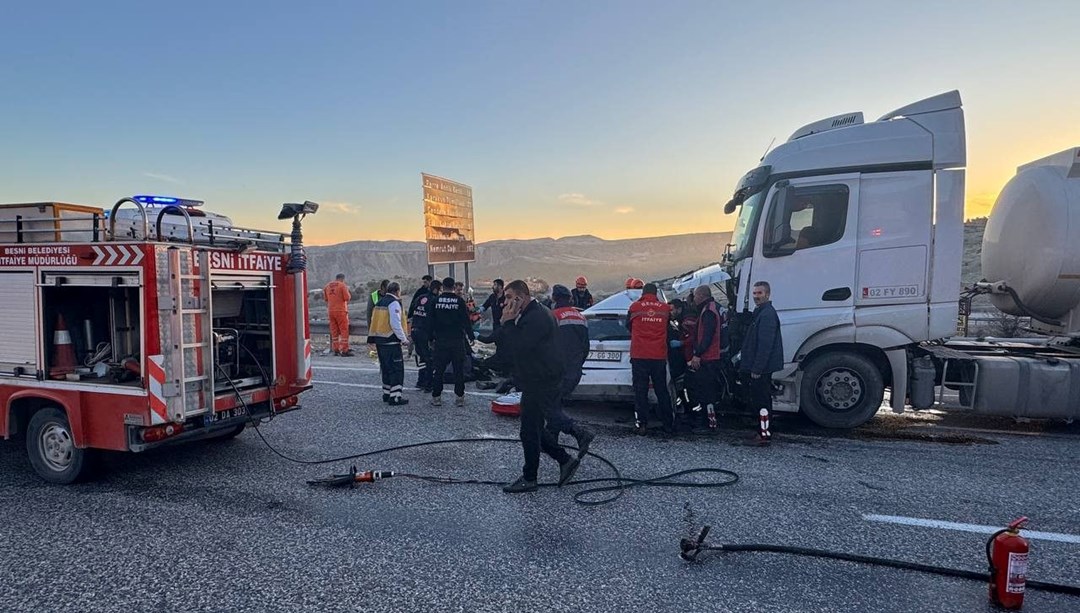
52 451
841 390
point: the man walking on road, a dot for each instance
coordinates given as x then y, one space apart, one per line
450 327
529 330
708 350
647 321
762 355
387 331
421 334
572 340
337 297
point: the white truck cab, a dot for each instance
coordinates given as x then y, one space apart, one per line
858 228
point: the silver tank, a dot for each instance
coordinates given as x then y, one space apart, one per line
1032 240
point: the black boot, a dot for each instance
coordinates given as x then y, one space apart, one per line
520 486
567 470
584 438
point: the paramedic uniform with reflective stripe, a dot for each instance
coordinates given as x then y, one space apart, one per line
388 330
421 334
648 321
337 299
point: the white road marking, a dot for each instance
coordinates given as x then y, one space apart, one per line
379 387
352 368
976 528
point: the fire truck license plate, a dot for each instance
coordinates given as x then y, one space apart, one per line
605 356
227 414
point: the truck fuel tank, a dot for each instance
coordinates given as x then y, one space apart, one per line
1026 386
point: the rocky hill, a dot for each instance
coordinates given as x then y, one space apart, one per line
607 263
973 235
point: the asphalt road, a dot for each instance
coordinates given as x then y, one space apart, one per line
228 526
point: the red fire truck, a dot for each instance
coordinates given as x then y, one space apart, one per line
150 324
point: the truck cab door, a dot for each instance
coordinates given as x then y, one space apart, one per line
807 254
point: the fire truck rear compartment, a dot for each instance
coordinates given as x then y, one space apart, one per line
243 336
103 322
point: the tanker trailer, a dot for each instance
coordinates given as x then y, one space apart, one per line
1031 248
1031 263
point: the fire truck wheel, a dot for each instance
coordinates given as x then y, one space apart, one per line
841 390
230 434
52 449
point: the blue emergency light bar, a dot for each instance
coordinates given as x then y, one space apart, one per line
167 201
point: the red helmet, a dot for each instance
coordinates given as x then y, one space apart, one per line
629 283
638 284
581 281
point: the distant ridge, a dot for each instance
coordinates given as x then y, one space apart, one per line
606 263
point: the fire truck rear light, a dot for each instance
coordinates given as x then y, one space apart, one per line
159 433
290 401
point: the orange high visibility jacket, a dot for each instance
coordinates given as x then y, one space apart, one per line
337 297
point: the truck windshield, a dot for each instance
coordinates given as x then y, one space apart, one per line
742 238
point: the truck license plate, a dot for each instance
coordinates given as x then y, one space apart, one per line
605 356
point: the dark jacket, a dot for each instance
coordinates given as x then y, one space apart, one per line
496 304
422 291
420 317
450 320
532 346
581 298
762 348
572 337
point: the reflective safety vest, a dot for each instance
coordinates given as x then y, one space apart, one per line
380 331
648 319
715 346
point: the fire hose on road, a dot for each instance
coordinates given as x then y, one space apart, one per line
691 548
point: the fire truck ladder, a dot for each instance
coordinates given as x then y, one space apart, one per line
189 350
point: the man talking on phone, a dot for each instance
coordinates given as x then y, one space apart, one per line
528 330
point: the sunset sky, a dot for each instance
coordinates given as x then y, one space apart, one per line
613 118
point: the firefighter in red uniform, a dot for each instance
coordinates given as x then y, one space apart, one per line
337 297
707 350
648 323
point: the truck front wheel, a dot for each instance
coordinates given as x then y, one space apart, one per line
52 449
841 390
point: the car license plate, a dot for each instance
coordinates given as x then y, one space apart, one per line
605 356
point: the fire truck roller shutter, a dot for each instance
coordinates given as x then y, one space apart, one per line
18 328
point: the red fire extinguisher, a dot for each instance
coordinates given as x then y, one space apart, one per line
1007 553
